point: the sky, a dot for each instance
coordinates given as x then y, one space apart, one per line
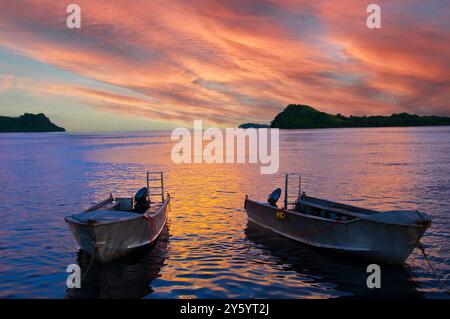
149 64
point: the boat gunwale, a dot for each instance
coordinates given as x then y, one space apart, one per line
358 217
71 219
294 212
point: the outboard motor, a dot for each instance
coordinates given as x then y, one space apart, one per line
274 197
141 200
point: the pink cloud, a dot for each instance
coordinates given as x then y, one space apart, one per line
235 61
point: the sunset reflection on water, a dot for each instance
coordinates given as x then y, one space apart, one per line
210 250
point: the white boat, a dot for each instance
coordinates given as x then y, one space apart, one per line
116 226
388 236
129 277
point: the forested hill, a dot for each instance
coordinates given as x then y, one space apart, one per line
28 123
296 116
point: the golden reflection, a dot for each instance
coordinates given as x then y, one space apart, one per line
208 249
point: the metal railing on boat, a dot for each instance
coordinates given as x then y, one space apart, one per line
287 195
153 177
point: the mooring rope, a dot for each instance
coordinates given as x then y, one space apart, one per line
441 282
89 265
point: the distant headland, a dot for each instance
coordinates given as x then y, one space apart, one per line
298 116
28 123
254 125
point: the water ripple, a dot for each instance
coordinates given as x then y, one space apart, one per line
208 249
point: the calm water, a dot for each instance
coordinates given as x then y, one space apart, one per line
207 249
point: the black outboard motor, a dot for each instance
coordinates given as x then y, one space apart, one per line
141 200
274 197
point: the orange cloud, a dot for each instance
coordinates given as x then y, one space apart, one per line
235 61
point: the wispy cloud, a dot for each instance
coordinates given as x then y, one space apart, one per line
233 61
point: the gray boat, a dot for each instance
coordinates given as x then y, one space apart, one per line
388 236
116 226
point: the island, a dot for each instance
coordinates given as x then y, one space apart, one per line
298 116
28 123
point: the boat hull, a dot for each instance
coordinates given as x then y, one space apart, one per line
372 240
109 241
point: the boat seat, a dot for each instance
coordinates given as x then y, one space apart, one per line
102 216
124 204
